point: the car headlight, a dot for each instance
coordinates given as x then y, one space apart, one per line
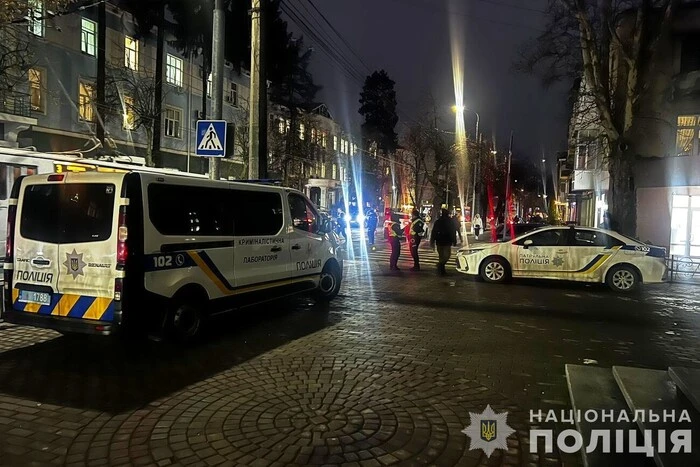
467 251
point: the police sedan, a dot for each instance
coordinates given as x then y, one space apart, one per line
568 253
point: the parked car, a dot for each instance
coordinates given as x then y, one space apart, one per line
579 254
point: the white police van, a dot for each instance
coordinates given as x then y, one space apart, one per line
96 252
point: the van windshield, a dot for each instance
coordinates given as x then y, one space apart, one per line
67 213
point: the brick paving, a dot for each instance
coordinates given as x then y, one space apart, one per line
386 375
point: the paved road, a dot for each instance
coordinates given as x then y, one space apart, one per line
387 374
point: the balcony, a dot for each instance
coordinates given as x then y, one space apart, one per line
590 180
15 103
15 116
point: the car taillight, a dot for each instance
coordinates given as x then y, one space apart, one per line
118 288
122 235
10 239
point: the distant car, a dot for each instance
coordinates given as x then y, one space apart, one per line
568 253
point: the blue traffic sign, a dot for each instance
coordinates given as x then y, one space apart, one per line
211 138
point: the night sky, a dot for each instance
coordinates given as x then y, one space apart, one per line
410 39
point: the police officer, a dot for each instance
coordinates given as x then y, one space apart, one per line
371 226
416 232
395 233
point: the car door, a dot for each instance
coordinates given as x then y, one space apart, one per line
305 242
540 254
261 244
589 250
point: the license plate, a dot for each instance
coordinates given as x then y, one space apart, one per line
29 296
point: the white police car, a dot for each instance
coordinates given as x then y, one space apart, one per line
568 253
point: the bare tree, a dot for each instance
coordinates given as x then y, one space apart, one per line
614 46
20 11
130 98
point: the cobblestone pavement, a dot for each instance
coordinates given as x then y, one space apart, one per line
386 374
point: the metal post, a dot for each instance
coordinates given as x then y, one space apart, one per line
217 78
254 111
262 93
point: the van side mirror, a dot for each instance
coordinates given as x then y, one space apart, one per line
527 243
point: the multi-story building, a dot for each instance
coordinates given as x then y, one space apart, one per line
60 112
312 153
588 179
666 143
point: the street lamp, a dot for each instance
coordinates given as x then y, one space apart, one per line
461 108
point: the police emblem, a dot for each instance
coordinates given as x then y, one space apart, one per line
488 431
557 261
74 264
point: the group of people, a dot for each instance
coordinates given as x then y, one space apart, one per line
443 236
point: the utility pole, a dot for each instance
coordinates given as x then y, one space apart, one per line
217 77
262 93
254 112
506 217
101 72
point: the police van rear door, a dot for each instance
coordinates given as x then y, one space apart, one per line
66 245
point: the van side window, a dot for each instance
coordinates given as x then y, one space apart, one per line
190 210
256 213
304 217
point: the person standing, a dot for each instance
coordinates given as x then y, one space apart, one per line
395 233
371 226
478 225
443 235
457 226
416 232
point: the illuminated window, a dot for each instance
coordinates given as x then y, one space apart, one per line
86 96
687 135
88 37
334 172
335 143
131 53
323 170
324 139
313 135
129 115
35 14
302 130
173 122
173 72
209 86
36 89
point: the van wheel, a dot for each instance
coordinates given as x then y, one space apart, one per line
329 283
623 278
184 322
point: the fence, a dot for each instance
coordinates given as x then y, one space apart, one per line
684 269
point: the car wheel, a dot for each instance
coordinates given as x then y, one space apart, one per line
494 270
184 323
329 283
623 278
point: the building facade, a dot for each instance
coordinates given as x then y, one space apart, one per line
59 91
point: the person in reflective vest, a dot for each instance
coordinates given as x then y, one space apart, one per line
416 232
395 233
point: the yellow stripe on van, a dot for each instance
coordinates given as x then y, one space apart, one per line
97 308
32 307
210 274
15 295
65 304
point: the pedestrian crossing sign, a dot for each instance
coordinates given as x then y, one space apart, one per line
211 138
